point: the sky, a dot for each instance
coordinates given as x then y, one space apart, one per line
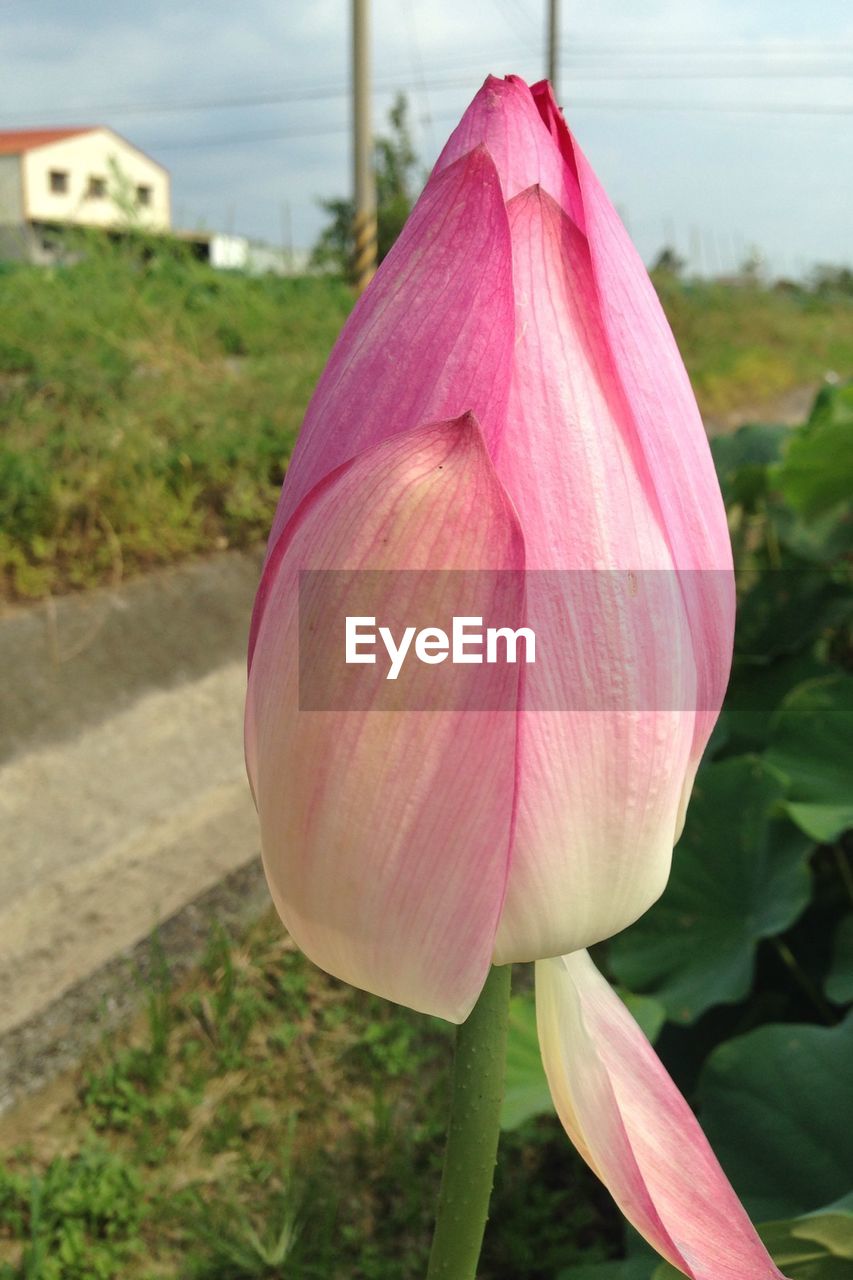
717 126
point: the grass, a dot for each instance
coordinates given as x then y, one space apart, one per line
745 345
265 1121
149 404
148 409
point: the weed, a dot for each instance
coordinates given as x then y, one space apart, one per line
149 407
150 404
266 1121
80 1219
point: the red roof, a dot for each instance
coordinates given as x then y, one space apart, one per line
14 141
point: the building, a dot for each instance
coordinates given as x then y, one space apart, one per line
228 252
85 177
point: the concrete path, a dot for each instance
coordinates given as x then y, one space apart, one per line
122 789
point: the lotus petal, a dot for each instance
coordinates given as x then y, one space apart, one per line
608 721
429 340
385 831
635 1130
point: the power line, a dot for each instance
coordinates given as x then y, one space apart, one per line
577 104
727 48
818 73
331 92
267 135
311 93
737 108
273 97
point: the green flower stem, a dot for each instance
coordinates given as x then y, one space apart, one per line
472 1136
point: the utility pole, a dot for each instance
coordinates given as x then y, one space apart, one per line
286 237
553 41
364 180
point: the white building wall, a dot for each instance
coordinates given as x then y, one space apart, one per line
228 252
264 258
238 253
11 199
88 156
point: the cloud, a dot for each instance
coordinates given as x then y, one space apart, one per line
773 180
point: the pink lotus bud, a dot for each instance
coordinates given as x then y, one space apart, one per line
514 311
506 414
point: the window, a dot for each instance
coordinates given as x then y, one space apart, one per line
59 181
143 195
97 188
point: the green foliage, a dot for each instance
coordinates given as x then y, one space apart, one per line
125 1092
275 1122
237 1244
740 875
816 1247
747 345
395 163
742 459
130 439
743 939
807 483
749 952
775 1105
546 1209
832 279
526 1091
620 1269
239 1249
839 980
668 263
149 405
811 745
80 1219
